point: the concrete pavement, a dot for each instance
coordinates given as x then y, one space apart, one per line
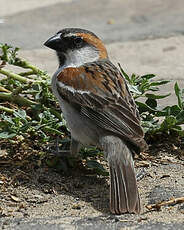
145 37
112 20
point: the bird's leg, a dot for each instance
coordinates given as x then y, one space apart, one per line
72 152
59 152
54 149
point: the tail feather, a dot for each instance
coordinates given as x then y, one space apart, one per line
133 201
117 193
138 205
124 196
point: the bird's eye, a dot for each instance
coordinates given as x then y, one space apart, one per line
78 41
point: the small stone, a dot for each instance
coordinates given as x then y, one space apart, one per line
76 206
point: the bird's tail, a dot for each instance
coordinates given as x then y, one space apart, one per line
124 196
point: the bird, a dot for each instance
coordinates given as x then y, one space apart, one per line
99 110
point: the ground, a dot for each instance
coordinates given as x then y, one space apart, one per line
33 191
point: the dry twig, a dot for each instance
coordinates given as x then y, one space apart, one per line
172 201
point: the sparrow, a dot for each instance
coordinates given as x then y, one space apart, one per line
99 110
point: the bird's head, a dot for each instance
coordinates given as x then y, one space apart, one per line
75 47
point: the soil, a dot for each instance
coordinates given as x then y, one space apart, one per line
30 189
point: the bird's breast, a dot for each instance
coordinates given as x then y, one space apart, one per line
81 128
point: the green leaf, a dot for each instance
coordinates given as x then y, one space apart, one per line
7 135
181 132
150 126
180 118
52 130
20 113
97 167
151 103
178 94
168 123
7 119
134 89
89 152
144 107
177 128
157 83
169 110
153 96
148 76
124 74
153 89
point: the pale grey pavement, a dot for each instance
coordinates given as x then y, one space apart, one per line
145 36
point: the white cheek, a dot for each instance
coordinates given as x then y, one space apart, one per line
81 56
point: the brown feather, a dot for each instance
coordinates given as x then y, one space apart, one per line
106 99
90 39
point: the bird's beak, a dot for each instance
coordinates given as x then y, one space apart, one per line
54 42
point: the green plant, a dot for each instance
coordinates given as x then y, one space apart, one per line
28 107
29 111
156 120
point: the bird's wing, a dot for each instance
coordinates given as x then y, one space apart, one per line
100 92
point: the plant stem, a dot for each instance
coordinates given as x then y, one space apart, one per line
28 73
34 68
2 89
17 99
15 76
5 109
27 65
56 113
